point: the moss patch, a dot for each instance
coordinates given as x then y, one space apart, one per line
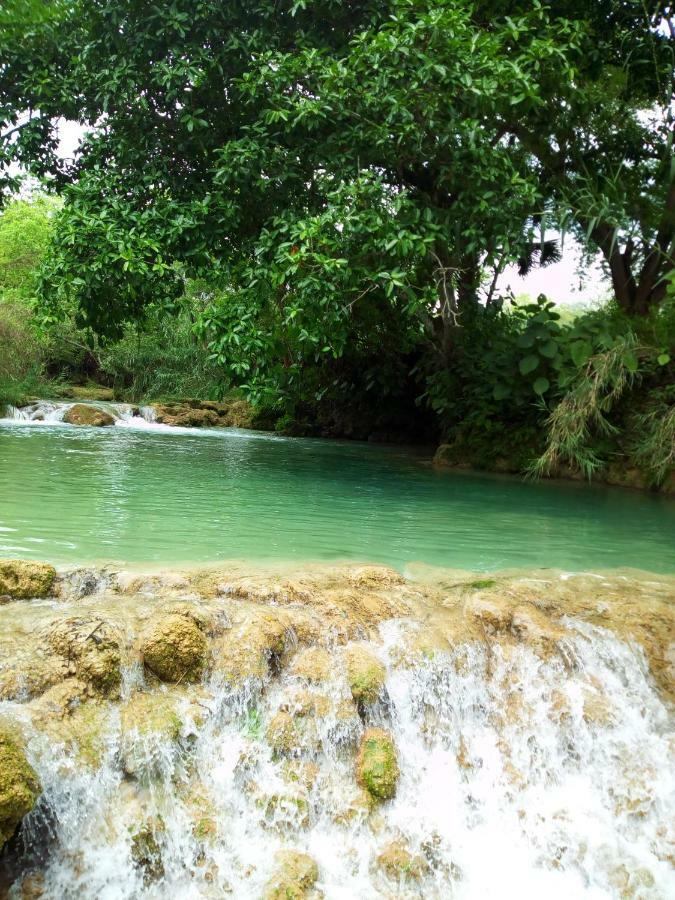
295 876
81 414
365 673
174 648
19 787
22 580
377 764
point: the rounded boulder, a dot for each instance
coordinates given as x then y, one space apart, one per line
174 648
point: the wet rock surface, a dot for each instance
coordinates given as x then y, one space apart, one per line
377 764
206 414
82 414
174 648
342 731
19 786
296 875
22 580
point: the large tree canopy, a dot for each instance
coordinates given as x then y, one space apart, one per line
353 173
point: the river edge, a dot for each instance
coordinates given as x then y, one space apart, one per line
236 412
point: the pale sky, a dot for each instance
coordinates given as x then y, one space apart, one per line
560 281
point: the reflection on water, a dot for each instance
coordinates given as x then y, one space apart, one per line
130 495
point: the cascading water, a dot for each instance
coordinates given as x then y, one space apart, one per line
535 758
46 412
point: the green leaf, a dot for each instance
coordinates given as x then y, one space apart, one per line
501 391
663 359
541 385
528 364
581 352
525 340
631 361
549 349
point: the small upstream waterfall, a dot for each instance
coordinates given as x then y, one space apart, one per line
48 412
520 775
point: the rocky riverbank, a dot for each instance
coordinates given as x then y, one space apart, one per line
97 408
282 733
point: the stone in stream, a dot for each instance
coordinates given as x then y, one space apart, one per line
23 580
314 664
397 862
146 852
19 787
90 649
294 878
365 673
174 647
147 720
377 765
290 735
81 414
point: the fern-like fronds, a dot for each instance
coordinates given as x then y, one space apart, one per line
654 445
583 411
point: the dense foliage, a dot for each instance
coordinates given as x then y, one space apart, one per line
159 358
351 178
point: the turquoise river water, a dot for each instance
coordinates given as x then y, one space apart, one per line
156 495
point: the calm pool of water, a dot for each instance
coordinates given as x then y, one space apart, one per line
159 496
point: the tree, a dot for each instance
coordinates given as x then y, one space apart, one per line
25 232
606 154
338 166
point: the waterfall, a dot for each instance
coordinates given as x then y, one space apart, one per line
45 412
542 774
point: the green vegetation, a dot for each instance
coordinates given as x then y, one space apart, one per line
43 351
314 203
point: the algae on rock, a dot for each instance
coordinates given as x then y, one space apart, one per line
146 851
294 878
90 649
24 580
365 673
174 648
19 786
81 414
399 864
377 764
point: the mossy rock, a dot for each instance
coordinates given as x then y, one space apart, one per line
365 673
81 414
294 878
147 720
282 810
151 713
174 648
252 649
91 648
185 415
290 735
24 580
205 829
146 851
89 392
314 664
377 765
399 864
19 786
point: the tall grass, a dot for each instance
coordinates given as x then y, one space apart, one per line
652 432
164 361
